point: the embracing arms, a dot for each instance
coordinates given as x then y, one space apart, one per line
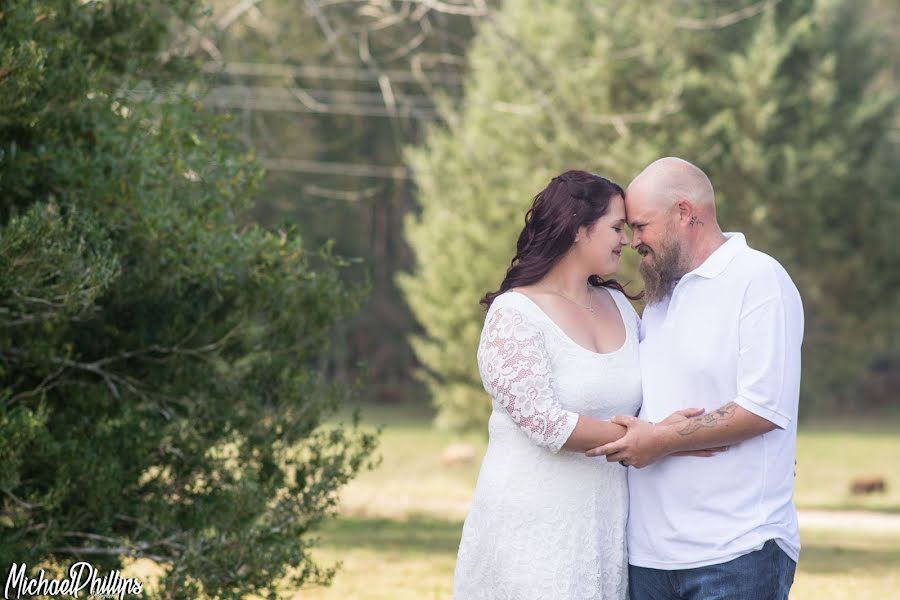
767 384
515 370
646 443
589 433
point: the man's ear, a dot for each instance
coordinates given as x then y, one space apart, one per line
685 210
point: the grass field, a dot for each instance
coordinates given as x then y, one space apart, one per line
399 528
831 455
413 559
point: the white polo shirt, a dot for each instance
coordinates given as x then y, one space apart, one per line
731 331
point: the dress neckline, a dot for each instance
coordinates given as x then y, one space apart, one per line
566 336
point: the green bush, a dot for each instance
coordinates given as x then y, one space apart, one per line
160 390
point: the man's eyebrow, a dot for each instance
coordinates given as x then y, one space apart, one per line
634 224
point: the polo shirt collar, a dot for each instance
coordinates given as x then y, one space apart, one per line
723 255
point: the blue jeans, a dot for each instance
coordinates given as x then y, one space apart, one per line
766 574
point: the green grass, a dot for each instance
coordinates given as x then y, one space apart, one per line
400 524
399 528
831 455
389 559
413 559
411 478
847 565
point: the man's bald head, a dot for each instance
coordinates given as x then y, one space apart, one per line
669 180
671 208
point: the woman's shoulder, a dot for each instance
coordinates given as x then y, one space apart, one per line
511 299
515 301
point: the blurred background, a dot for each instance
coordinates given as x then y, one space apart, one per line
243 244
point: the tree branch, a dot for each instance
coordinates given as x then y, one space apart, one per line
724 20
325 26
113 551
235 13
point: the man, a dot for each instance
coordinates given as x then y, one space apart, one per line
722 330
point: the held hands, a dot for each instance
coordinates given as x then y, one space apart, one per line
640 446
644 443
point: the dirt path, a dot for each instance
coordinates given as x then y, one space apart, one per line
844 519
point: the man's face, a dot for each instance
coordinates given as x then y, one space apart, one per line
648 221
663 260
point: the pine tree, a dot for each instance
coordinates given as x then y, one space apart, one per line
785 108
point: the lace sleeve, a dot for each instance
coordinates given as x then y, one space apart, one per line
515 371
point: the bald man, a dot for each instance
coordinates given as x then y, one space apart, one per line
722 331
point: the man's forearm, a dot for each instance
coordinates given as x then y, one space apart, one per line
728 425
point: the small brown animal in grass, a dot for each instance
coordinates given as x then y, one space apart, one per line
868 485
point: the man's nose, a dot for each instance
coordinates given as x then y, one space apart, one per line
635 241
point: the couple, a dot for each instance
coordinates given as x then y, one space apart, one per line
688 503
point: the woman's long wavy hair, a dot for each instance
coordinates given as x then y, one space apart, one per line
571 200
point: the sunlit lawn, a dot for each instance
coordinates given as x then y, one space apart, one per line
400 524
831 455
413 559
399 527
409 559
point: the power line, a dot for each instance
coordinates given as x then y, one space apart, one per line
346 195
342 73
278 105
335 168
322 95
304 100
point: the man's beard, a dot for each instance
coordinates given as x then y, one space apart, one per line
662 271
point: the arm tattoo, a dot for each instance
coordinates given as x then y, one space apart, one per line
709 420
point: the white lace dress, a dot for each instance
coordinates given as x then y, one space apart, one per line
547 523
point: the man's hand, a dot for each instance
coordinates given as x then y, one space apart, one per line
640 446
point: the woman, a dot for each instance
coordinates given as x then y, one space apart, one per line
559 356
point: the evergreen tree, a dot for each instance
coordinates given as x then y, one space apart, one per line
158 390
793 125
785 107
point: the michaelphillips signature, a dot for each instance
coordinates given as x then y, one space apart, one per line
83 577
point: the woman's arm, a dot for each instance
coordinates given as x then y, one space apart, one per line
589 430
516 371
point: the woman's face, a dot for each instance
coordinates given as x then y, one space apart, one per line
601 243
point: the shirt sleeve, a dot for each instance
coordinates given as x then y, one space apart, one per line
762 362
515 370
